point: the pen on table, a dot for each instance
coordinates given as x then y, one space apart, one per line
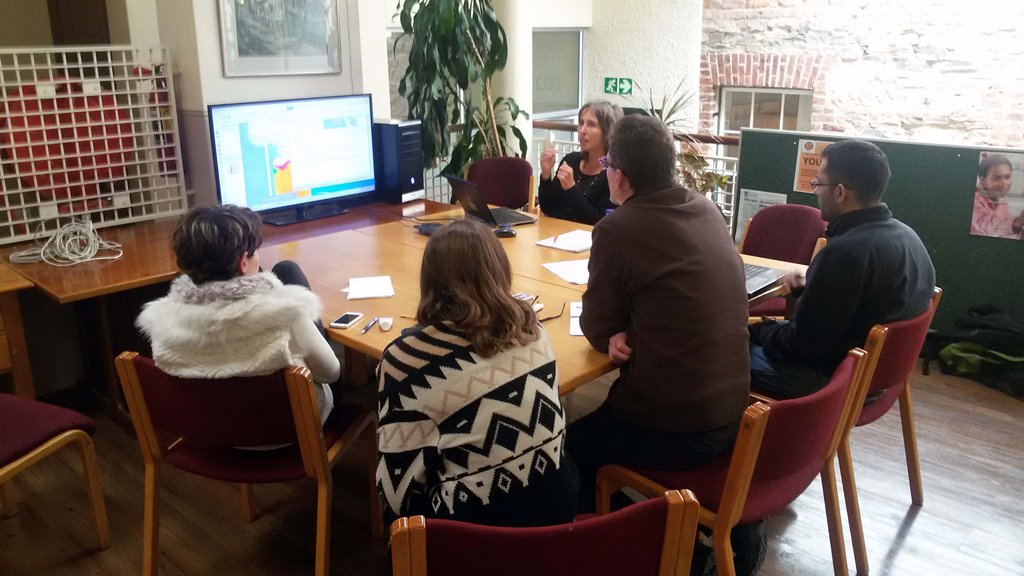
369 325
406 316
555 240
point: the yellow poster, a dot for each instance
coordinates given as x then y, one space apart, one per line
808 160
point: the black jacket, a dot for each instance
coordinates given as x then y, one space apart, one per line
586 202
874 269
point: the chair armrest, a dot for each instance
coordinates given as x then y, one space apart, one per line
612 478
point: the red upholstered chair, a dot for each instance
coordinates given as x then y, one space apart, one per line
774 460
30 431
504 181
895 356
209 417
787 232
652 538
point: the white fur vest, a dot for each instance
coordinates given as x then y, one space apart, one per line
237 327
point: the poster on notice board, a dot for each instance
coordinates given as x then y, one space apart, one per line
751 201
808 160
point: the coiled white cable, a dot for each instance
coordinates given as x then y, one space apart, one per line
73 243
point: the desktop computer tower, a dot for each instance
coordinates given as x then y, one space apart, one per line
398 148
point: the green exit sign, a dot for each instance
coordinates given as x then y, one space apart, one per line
618 85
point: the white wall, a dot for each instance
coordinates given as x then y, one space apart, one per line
655 42
562 13
24 23
191 29
217 89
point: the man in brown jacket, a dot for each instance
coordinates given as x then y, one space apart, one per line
666 301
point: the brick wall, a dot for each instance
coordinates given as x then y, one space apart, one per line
929 70
767 70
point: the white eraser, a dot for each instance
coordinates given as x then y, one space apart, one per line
385 323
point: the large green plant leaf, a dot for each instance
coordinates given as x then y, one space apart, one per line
457 46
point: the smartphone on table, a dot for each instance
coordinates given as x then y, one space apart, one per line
347 320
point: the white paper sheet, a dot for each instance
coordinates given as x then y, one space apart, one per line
575 241
572 271
370 287
575 310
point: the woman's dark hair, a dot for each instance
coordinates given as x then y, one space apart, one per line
466 279
209 242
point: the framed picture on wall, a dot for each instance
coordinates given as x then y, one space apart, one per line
267 37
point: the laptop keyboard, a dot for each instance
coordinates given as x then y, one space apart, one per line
751 270
504 215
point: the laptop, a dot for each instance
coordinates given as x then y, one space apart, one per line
472 201
760 277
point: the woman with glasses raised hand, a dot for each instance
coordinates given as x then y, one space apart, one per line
578 189
470 423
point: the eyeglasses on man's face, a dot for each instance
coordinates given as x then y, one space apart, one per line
815 183
606 163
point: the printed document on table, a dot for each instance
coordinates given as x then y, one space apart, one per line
572 271
370 287
575 311
575 241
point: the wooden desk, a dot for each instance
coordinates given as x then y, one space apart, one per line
396 249
148 258
523 253
13 350
330 260
108 294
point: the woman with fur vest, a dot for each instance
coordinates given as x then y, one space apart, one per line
224 317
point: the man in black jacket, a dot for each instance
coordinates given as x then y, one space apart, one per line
874 269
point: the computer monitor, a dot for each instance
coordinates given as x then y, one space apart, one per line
294 160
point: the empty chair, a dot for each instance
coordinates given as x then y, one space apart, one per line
652 538
504 181
30 431
894 356
779 451
210 417
787 232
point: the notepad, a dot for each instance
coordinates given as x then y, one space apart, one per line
370 287
572 271
575 311
575 241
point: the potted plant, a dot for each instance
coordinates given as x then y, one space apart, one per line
457 46
695 172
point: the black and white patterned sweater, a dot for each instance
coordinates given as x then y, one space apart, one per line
471 438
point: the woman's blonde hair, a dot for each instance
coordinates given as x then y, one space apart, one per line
466 279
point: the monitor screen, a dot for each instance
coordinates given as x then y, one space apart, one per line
291 153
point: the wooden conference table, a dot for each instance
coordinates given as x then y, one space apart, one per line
395 248
370 240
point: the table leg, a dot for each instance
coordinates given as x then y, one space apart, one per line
355 367
21 369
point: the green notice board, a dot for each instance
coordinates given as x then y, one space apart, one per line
932 190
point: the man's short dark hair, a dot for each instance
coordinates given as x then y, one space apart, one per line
991 161
643 148
209 242
859 165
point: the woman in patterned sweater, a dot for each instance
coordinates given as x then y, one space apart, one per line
470 423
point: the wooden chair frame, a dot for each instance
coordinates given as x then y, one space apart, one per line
874 346
90 470
611 479
317 459
409 538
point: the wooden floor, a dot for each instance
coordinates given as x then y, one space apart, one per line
972 521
